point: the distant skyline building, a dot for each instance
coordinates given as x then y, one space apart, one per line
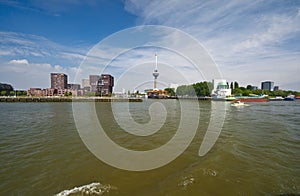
155 73
85 83
94 82
267 85
74 86
105 84
254 87
276 88
59 81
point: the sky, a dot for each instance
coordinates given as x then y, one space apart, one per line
248 41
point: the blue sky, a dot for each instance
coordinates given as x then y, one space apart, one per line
250 41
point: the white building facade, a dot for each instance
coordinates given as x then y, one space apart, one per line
221 89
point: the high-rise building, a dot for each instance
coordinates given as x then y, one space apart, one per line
59 81
267 85
105 84
94 82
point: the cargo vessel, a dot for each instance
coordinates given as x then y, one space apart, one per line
255 98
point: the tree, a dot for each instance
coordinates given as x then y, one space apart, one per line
180 91
249 87
257 91
203 88
90 94
199 89
237 91
242 88
231 85
11 93
3 93
246 92
68 94
6 87
171 91
236 84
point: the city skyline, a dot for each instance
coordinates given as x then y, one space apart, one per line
250 41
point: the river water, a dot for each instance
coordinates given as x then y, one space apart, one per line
257 152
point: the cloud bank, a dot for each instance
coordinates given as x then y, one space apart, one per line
251 41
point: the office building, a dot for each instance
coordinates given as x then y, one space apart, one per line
105 84
59 81
94 82
267 85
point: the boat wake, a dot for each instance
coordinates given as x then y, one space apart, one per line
94 188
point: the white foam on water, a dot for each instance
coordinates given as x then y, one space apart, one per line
210 172
94 188
187 181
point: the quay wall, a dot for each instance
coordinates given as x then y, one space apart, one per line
64 99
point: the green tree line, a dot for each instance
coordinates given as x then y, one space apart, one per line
8 90
199 89
248 90
13 93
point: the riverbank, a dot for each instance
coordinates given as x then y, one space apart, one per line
68 99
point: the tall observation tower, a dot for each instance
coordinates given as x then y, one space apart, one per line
155 72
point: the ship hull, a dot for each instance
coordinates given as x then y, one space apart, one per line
247 100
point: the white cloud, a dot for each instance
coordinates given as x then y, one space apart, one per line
14 45
250 40
129 55
22 61
23 74
28 60
277 29
245 37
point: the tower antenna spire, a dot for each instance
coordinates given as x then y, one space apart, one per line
155 61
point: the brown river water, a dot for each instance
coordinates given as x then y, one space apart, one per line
257 152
